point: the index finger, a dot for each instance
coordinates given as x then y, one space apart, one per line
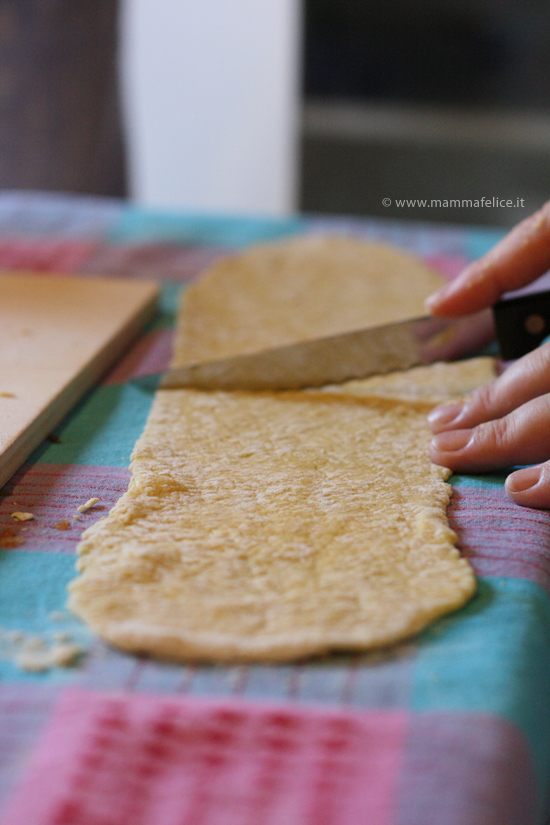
519 258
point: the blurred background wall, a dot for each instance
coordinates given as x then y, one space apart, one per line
273 105
212 101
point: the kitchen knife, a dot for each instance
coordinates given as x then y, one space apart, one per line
521 324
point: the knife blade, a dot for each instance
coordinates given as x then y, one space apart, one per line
521 324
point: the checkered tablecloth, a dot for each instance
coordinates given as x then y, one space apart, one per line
452 728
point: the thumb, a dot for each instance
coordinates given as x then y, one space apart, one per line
530 486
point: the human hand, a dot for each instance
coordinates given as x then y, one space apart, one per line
506 422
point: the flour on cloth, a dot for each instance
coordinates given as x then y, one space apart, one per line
271 526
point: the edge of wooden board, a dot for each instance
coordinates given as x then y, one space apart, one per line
79 383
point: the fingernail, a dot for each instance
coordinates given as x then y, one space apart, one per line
436 297
523 479
432 301
451 441
445 413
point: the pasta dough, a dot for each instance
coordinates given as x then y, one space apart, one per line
270 526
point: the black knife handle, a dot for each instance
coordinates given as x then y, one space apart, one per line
522 323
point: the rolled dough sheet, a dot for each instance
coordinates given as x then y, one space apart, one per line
271 526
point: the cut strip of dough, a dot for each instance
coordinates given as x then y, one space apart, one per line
265 526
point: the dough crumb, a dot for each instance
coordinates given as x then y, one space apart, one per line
64 524
13 635
22 516
64 654
5 394
33 644
76 516
9 539
89 504
37 661
34 654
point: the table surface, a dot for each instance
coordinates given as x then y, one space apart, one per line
470 694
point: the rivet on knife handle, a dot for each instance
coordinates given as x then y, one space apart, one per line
522 323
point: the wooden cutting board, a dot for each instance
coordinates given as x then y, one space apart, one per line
58 335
